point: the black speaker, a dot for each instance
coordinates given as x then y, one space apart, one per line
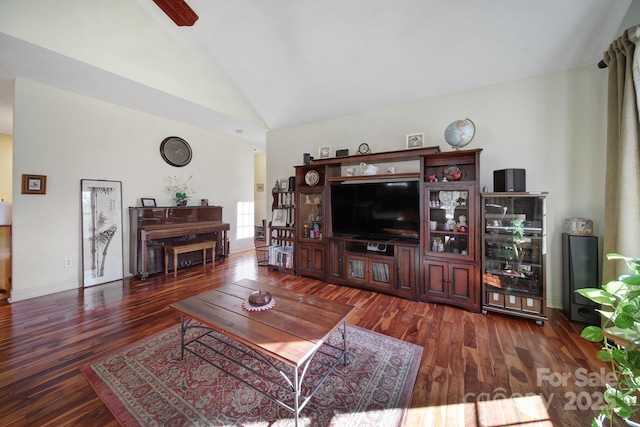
292 183
509 180
306 159
580 269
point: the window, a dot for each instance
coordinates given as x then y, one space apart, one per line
245 222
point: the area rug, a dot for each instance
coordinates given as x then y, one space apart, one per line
148 385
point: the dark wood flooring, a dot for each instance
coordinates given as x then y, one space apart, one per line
477 370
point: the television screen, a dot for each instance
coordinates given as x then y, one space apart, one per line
376 211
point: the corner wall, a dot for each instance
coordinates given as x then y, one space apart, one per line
553 125
69 137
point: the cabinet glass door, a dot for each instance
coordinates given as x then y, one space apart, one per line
513 244
356 268
448 219
311 216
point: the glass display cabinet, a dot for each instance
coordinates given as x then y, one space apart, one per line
448 222
513 254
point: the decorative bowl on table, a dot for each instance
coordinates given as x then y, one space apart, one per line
259 301
259 298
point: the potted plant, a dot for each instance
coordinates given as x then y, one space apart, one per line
180 190
620 335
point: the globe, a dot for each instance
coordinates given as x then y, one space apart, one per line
459 133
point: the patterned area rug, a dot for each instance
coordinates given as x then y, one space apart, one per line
148 384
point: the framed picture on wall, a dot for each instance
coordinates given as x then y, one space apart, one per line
34 184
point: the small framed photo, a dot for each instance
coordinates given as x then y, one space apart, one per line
204 202
284 184
34 184
260 188
324 152
279 218
148 203
415 140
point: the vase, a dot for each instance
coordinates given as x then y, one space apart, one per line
181 203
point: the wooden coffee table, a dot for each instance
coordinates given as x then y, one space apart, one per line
293 332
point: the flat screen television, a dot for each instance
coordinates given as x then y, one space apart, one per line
376 210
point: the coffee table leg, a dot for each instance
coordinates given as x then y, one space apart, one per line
344 339
183 329
296 397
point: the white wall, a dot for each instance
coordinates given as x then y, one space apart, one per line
551 125
261 198
69 137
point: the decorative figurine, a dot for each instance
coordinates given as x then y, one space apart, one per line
432 178
462 224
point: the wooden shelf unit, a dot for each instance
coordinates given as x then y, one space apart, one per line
409 268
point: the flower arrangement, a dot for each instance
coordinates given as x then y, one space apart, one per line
180 190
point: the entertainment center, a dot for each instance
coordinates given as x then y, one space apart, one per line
409 229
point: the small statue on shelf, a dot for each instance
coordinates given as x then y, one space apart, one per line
462 224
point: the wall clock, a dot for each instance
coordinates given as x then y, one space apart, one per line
176 151
364 148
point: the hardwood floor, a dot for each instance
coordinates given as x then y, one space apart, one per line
473 372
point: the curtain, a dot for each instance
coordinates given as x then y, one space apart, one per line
622 185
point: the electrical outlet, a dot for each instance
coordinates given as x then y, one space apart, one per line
68 262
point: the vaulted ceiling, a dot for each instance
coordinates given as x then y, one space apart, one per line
256 65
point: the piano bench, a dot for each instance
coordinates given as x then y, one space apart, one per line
176 250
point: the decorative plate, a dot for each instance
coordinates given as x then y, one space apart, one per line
452 173
312 178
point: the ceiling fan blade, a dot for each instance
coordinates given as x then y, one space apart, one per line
179 12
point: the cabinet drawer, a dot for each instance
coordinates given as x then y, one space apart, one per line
495 299
513 302
531 305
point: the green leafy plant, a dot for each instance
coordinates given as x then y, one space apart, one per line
620 310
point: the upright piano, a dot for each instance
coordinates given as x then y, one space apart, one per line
152 228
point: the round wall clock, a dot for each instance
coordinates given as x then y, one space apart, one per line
175 151
364 148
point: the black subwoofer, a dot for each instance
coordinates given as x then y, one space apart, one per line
580 269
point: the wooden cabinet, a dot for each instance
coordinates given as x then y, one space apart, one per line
311 260
336 260
5 261
407 270
310 222
388 267
427 251
514 253
370 271
450 245
451 283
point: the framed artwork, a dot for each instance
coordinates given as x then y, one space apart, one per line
279 218
415 140
324 152
284 184
34 184
260 188
148 203
102 244
204 202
